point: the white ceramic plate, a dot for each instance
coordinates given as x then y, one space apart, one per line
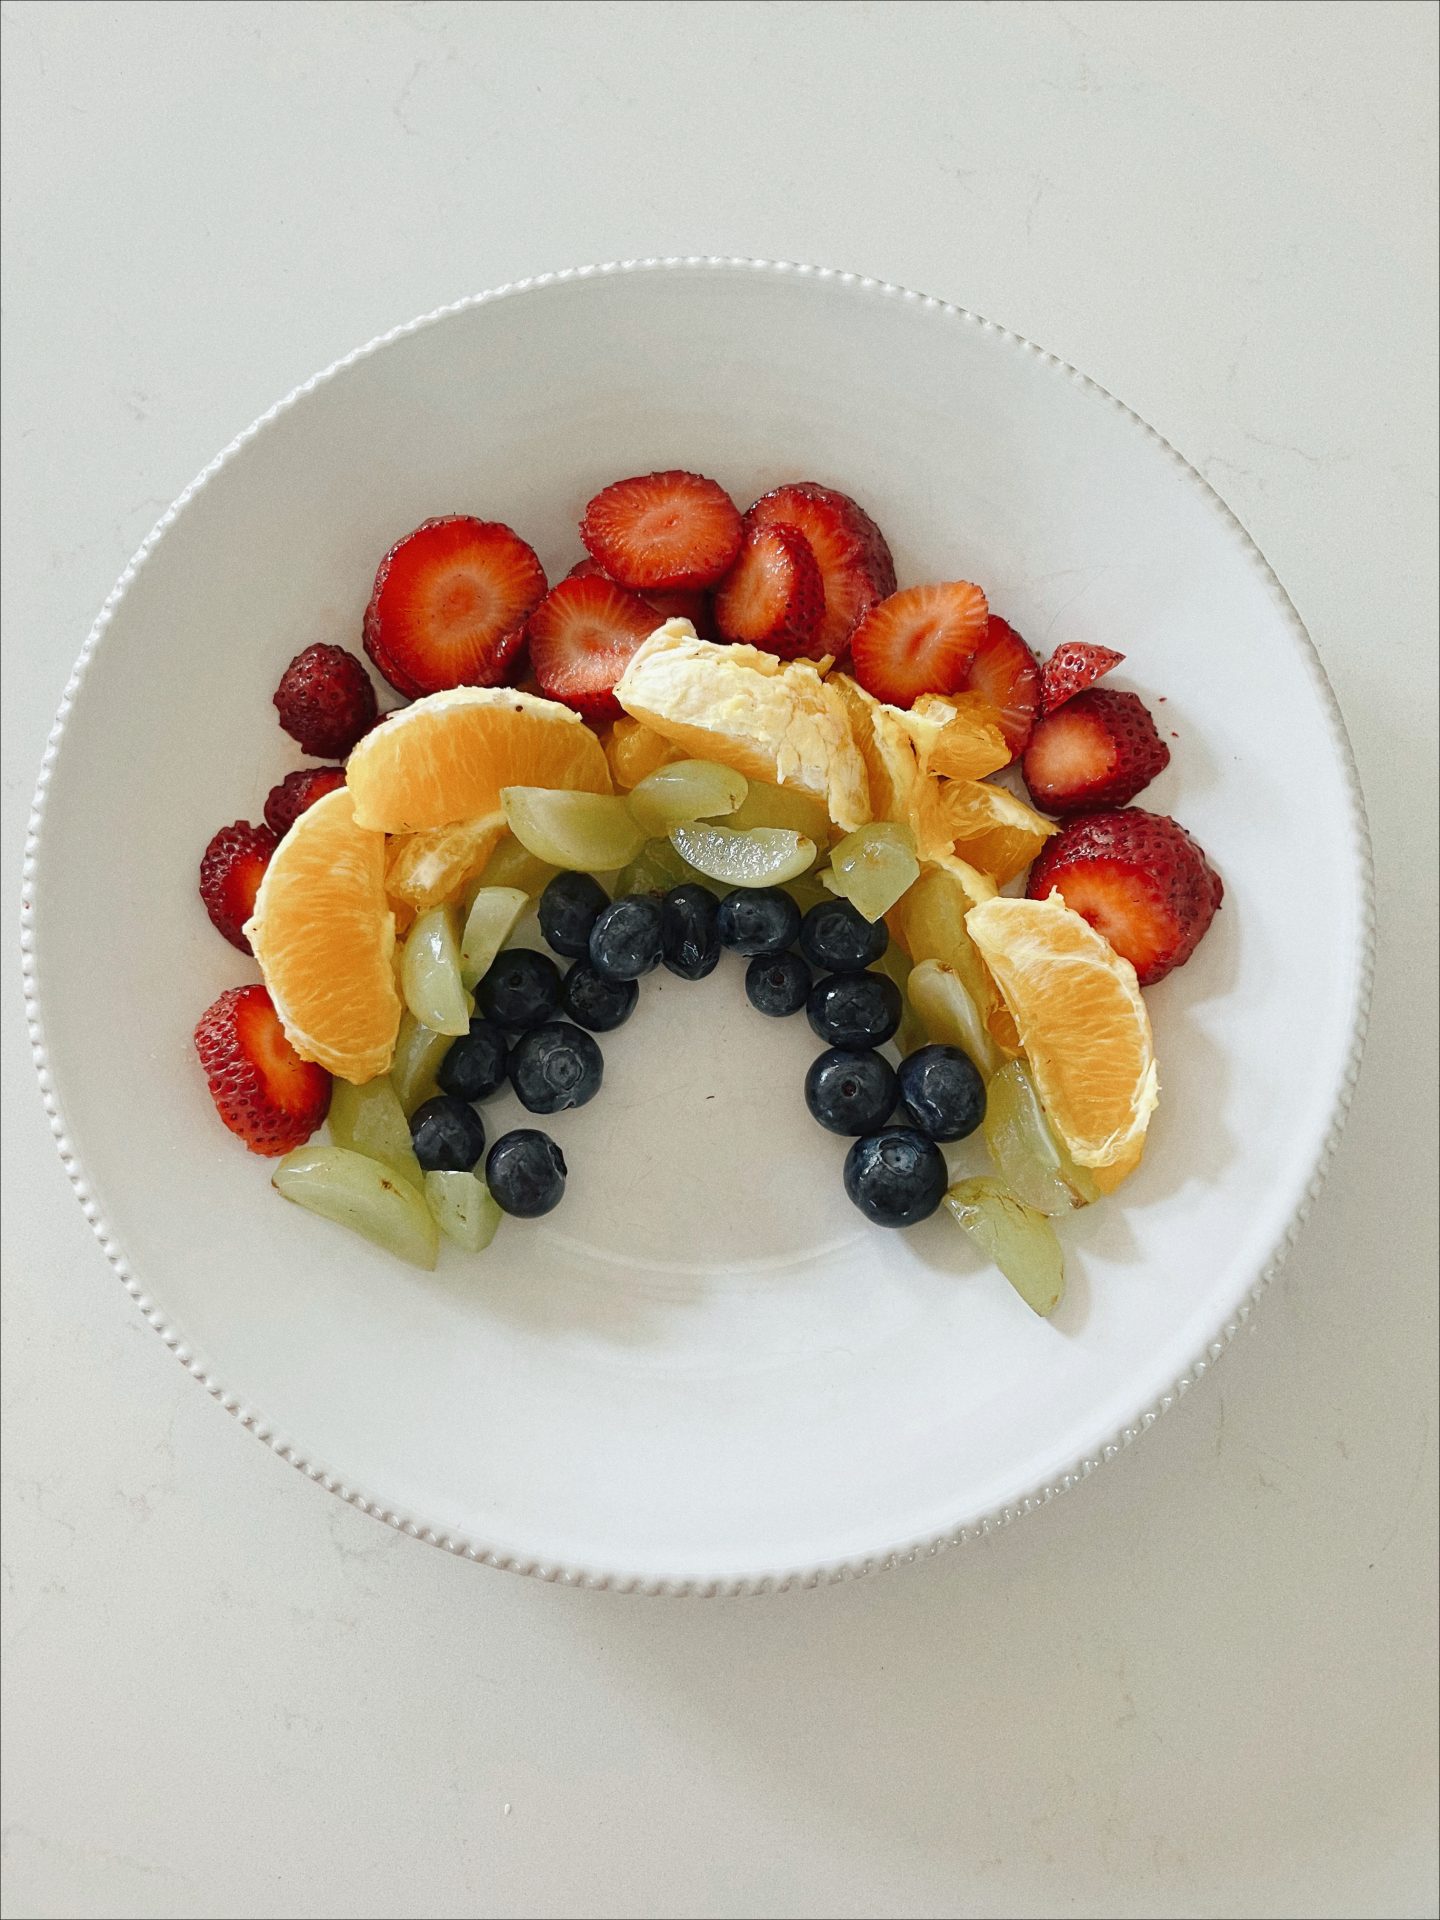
705 1372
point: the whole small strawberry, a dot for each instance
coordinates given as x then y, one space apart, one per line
231 869
263 1091
285 803
325 701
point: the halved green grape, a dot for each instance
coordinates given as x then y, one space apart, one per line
1022 1143
768 806
809 890
587 832
873 866
430 973
897 963
1019 1240
655 869
463 1208
488 925
685 790
362 1194
512 865
371 1120
418 1053
949 1014
763 857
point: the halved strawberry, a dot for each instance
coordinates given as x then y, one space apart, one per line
1098 750
921 640
582 636
231 869
285 802
672 529
676 603
1071 668
1139 879
1006 673
856 568
262 1089
773 596
450 604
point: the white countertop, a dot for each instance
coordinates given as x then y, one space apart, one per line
1204 1683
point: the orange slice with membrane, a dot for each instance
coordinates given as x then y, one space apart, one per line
929 923
633 750
1082 1023
324 937
957 734
446 757
426 868
984 825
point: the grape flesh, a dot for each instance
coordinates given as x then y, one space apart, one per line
1019 1240
418 1054
586 832
463 1209
362 1194
1027 1155
371 1120
873 867
763 857
488 925
430 973
686 790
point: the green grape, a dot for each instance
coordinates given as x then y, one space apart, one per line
911 1034
763 857
949 1014
809 890
767 806
489 923
430 973
364 1195
418 1053
512 865
371 1120
463 1208
873 866
1019 1240
1027 1155
685 790
586 832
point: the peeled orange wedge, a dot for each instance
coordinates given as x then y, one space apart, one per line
957 734
426 868
985 825
929 923
324 936
446 757
633 750
1082 1023
883 738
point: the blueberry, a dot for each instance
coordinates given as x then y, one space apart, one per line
601 1005
855 1009
777 983
943 1092
568 909
896 1178
625 940
474 1068
689 938
525 1173
522 989
834 936
447 1135
554 1067
756 920
849 1091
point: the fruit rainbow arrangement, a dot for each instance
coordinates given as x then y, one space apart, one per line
717 732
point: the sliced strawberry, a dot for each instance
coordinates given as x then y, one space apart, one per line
1139 879
856 568
285 803
773 596
1006 673
678 603
664 530
582 636
262 1089
921 640
231 869
1071 668
1098 750
450 604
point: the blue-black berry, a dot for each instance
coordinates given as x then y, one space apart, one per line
689 933
851 1092
525 1173
626 940
835 937
522 988
475 1066
855 1010
758 920
568 909
943 1092
554 1067
896 1177
777 983
596 1003
447 1134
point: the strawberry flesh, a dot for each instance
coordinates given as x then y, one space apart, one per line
675 603
921 640
231 869
663 530
1139 879
450 604
583 635
285 802
856 567
263 1091
325 700
1096 751
773 597
1071 668
1006 673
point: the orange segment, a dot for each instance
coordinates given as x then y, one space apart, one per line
446 757
1081 1021
633 750
885 746
957 734
929 923
324 936
426 868
984 824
